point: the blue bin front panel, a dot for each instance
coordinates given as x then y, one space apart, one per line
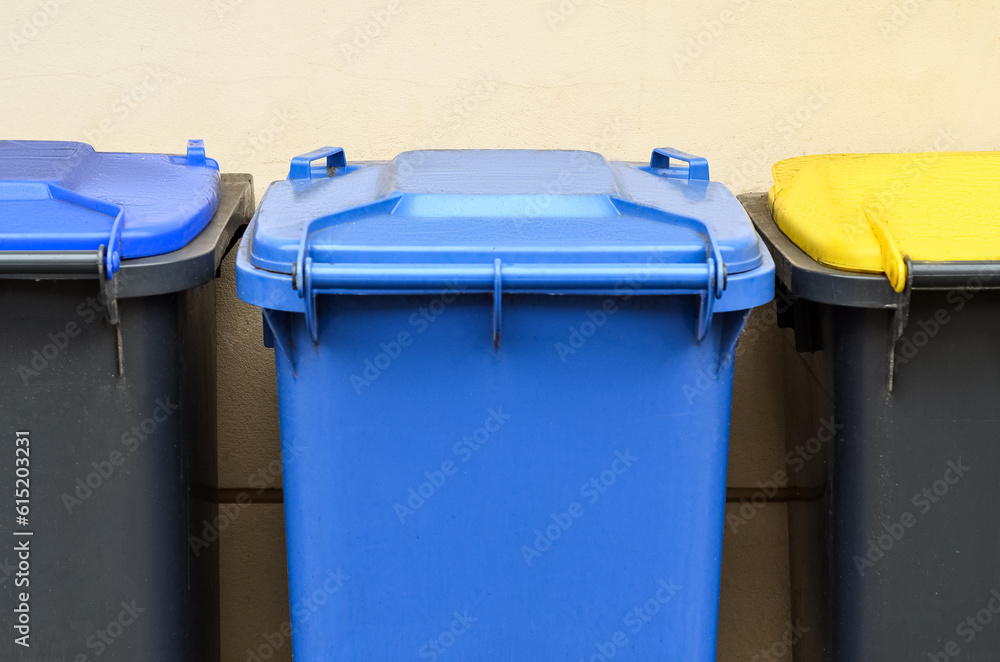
553 499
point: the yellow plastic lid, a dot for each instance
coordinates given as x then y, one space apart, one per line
867 212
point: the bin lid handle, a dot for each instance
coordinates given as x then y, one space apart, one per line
310 279
11 261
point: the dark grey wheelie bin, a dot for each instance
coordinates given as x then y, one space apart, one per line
893 447
107 400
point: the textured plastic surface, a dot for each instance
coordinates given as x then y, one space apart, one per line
557 221
121 465
545 495
822 284
116 464
900 546
63 196
867 212
514 499
520 206
198 262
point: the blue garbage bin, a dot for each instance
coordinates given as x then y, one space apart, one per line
505 381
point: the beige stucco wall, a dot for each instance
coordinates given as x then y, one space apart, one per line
742 82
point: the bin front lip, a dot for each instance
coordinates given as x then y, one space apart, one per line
193 265
806 278
273 291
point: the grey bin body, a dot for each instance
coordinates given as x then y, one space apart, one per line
880 569
123 464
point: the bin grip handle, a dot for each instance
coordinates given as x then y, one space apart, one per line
69 261
708 278
301 166
697 165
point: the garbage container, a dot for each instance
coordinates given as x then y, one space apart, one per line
889 279
107 342
505 382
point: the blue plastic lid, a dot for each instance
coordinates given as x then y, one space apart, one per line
64 196
532 221
516 205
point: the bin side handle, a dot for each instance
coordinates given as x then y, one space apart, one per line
302 269
712 252
310 279
717 276
71 261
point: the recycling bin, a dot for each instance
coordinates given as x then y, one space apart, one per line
505 381
889 286
107 400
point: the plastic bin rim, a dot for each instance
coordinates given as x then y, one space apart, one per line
806 278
